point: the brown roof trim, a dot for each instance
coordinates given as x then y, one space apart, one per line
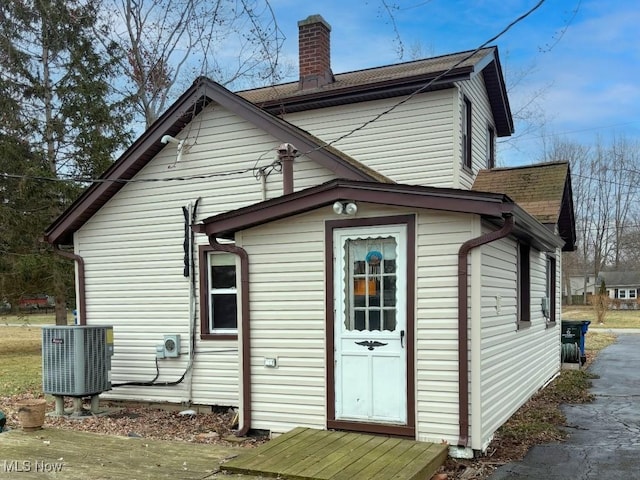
226 224
127 166
203 92
394 81
491 206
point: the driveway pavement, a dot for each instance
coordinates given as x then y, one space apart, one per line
604 436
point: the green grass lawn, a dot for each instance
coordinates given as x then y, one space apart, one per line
20 360
613 319
32 319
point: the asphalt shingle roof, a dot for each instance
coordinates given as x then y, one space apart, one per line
428 67
539 189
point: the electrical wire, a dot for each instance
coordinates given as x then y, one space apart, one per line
429 83
319 147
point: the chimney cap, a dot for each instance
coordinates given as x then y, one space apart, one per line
311 19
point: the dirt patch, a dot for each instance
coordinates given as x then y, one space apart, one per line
141 422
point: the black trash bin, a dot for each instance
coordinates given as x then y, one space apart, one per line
573 341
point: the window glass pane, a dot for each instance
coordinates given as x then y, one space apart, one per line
390 266
632 293
224 310
359 320
390 320
374 320
223 276
622 294
390 291
359 297
374 293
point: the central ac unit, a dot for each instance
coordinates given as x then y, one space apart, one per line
76 360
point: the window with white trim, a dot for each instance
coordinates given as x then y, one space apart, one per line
627 293
218 294
223 293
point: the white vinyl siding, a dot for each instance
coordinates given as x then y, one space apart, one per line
514 363
287 322
439 236
413 144
133 252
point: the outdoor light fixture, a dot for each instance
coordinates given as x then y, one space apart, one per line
349 208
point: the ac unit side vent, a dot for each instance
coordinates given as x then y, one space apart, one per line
76 360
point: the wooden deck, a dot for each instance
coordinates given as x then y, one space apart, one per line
309 454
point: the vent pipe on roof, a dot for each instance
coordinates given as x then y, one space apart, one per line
314 52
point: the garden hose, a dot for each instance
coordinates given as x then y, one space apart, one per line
570 353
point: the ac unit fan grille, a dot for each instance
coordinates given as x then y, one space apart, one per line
75 360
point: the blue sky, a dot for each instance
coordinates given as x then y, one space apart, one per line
575 63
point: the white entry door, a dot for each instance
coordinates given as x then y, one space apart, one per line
370 356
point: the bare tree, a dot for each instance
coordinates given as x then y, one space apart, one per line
166 44
578 157
604 180
625 174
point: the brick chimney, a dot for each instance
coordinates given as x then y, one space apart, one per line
315 52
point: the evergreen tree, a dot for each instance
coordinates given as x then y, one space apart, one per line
59 119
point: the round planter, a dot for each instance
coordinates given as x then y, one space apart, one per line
31 413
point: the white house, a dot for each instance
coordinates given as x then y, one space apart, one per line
336 252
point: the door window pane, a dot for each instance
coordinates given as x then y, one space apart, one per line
370 273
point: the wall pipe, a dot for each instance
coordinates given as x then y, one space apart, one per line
82 310
286 154
245 324
463 321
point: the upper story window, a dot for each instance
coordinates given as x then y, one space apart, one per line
524 285
219 295
491 147
466 133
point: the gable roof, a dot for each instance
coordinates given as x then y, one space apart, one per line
620 279
203 92
260 106
392 81
491 206
543 190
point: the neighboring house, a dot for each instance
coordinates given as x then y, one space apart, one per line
577 285
362 286
623 286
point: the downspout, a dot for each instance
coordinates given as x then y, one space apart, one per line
463 321
286 154
81 284
246 350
